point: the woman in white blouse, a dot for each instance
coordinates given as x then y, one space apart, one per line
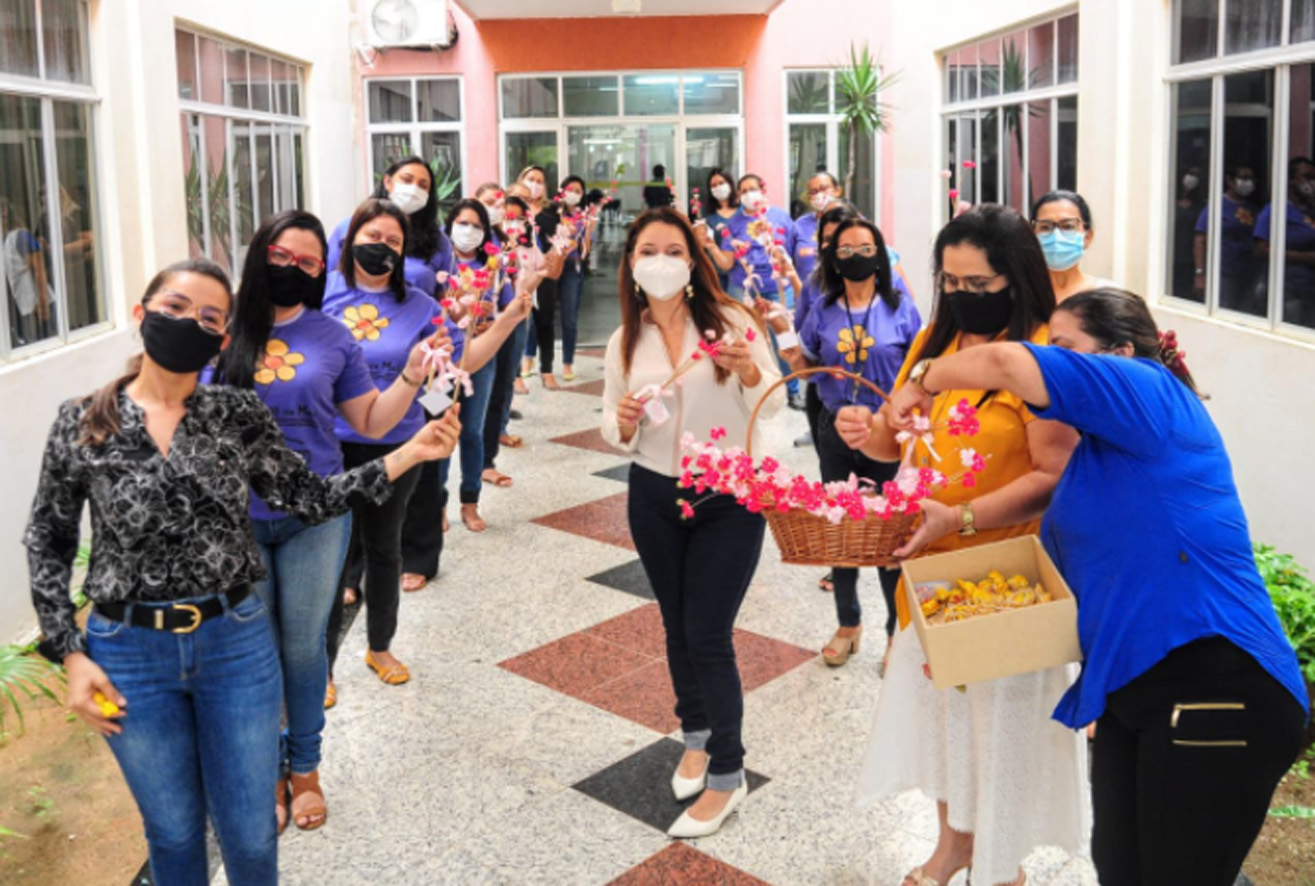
699 568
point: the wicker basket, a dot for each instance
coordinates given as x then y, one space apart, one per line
809 540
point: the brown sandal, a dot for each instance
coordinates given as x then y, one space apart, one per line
330 696
317 814
550 383
281 804
393 675
412 582
842 646
496 478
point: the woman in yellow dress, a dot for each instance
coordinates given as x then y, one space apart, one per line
1006 777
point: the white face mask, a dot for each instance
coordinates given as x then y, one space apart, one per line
408 197
1190 182
752 201
535 189
1307 189
496 214
721 191
1245 187
820 201
662 277
571 198
467 237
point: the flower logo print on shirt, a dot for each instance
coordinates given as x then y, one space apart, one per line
279 363
854 344
1245 216
364 321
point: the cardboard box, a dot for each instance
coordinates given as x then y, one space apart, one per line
1000 644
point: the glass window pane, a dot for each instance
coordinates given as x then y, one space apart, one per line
1298 273
591 96
529 97
387 149
390 101
216 172
706 150
1041 55
951 159
244 198
625 154
988 162
1248 145
953 67
651 95
18 37
1303 20
264 189
235 76
1066 175
278 85
29 294
1190 183
533 149
260 97
185 51
75 166
989 71
965 177
193 184
1197 30
1068 49
1013 186
443 151
863 194
212 70
293 106
65 39
711 93
1013 68
1039 173
1253 24
285 160
968 76
299 165
438 101
807 158
808 92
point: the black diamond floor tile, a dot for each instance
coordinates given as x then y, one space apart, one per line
628 577
620 473
640 785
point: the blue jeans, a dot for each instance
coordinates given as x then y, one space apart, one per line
531 342
786 296
303 565
200 736
569 289
474 411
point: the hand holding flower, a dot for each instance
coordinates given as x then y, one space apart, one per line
938 521
417 362
906 403
628 413
735 357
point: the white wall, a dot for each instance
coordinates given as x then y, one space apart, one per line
139 153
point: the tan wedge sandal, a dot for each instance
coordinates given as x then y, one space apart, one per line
844 644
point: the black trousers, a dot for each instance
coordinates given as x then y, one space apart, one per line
700 570
812 409
508 367
545 318
375 553
838 462
422 526
1179 792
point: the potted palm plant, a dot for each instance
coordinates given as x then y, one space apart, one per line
859 86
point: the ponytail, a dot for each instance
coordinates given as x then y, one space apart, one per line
1175 359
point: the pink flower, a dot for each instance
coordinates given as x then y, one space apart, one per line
954 194
945 174
491 248
750 335
717 433
970 164
686 509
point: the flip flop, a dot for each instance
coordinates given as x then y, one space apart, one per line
511 441
500 480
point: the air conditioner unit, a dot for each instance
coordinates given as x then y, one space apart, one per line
409 24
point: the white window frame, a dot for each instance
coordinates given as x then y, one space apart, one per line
415 129
952 112
48 92
1278 61
561 124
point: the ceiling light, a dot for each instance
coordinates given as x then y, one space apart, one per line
624 7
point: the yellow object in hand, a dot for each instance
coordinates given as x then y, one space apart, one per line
107 707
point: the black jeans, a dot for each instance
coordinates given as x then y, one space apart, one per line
375 552
1180 793
422 526
813 409
838 462
545 318
700 570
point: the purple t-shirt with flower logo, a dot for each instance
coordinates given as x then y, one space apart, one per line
311 364
387 330
420 273
871 342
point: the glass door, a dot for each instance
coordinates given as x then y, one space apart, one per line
706 149
532 148
625 153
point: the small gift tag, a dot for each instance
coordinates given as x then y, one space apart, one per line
435 401
656 410
787 340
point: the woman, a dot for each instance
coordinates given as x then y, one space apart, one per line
167 467
863 324
409 185
563 222
1188 277
823 193
535 182
307 370
388 318
723 202
1200 717
1239 265
995 805
700 568
1062 222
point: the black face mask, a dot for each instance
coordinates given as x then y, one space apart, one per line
985 314
376 259
857 267
291 286
178 345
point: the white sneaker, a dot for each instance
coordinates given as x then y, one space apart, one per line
687 827
684 788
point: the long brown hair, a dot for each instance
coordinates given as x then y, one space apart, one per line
708 305
101 419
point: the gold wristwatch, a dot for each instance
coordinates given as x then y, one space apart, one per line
918 372
967 520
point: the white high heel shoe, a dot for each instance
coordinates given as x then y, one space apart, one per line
687 827
684 788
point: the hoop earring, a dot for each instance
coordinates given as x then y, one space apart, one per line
689 292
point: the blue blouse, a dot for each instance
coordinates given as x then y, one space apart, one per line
1147 528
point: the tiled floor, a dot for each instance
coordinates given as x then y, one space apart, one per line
535 742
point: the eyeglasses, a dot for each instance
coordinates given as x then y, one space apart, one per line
975 285
851 251
1064 224
180 307
282 258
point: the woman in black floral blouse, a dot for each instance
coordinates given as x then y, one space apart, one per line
178 667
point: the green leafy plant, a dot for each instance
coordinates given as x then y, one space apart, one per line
25 677
1292 812
859 86
447 179
1293 593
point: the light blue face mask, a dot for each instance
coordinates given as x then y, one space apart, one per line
1063 249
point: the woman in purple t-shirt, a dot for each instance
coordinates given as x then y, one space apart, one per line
309 372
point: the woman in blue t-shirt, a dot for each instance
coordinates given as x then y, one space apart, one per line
409 185
309 372
1196 691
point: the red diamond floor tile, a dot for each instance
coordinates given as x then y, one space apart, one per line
639 630
643 696
591 439
600 353
679 865
603 520
576 664
591 388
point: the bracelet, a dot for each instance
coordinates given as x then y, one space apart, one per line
414 384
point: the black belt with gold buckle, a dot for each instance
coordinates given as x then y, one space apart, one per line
177 618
